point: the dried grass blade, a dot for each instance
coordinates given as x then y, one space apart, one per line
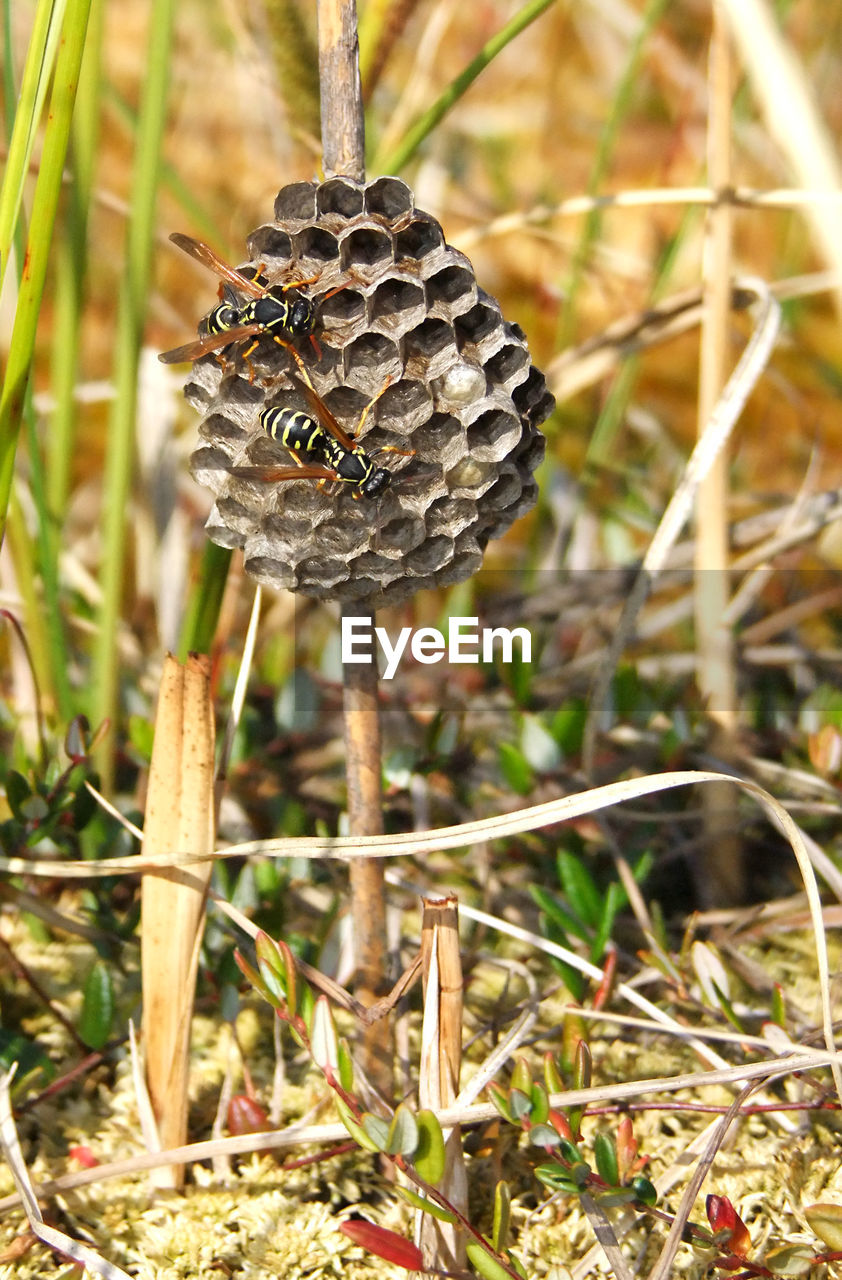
180 817
51 1236
443 1245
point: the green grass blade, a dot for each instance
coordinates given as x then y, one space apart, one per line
205 602
37 69
120 459
34 614
70 274
417 132
44 207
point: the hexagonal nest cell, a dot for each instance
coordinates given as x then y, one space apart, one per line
407 344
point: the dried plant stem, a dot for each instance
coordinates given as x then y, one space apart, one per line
368 899
441 1060
343 127
179 819
723 880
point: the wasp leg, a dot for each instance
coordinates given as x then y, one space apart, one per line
372 402
403 453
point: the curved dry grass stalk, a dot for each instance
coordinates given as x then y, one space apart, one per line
303 1133
740 197
52 1236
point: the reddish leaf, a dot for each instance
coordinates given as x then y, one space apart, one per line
246 1116
560 1123
626 1147
721 1213
723 1217
731 1263
384 1244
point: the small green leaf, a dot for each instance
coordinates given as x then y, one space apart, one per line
251 975
500 1099
35 808
581 1075
605 1154
289 976
323 1043
345 1066
644 1190
568 726
272 970
484 1263
514 768
97 1007
570 1152
502 1216
377 1129
520 1105
543 1135
563 922
354 1127
540 1103
522 1076
425 1205
307 1004
552 1076
29 1056
77 738
429 1157
18 792
790 1260
553 1175
612 902
556 1179
403 1133
826 1221
579 888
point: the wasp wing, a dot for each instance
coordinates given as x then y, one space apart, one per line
210 342
274 475
320 411
204 254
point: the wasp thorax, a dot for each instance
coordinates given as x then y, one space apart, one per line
383 455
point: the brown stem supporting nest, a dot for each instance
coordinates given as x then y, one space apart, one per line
368 896
343 128
343 152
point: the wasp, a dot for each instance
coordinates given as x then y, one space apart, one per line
320 447
279 311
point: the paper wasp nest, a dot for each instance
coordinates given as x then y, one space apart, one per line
458 419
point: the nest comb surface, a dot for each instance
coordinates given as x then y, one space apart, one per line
460 412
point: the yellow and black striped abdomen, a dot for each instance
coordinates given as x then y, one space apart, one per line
295 430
